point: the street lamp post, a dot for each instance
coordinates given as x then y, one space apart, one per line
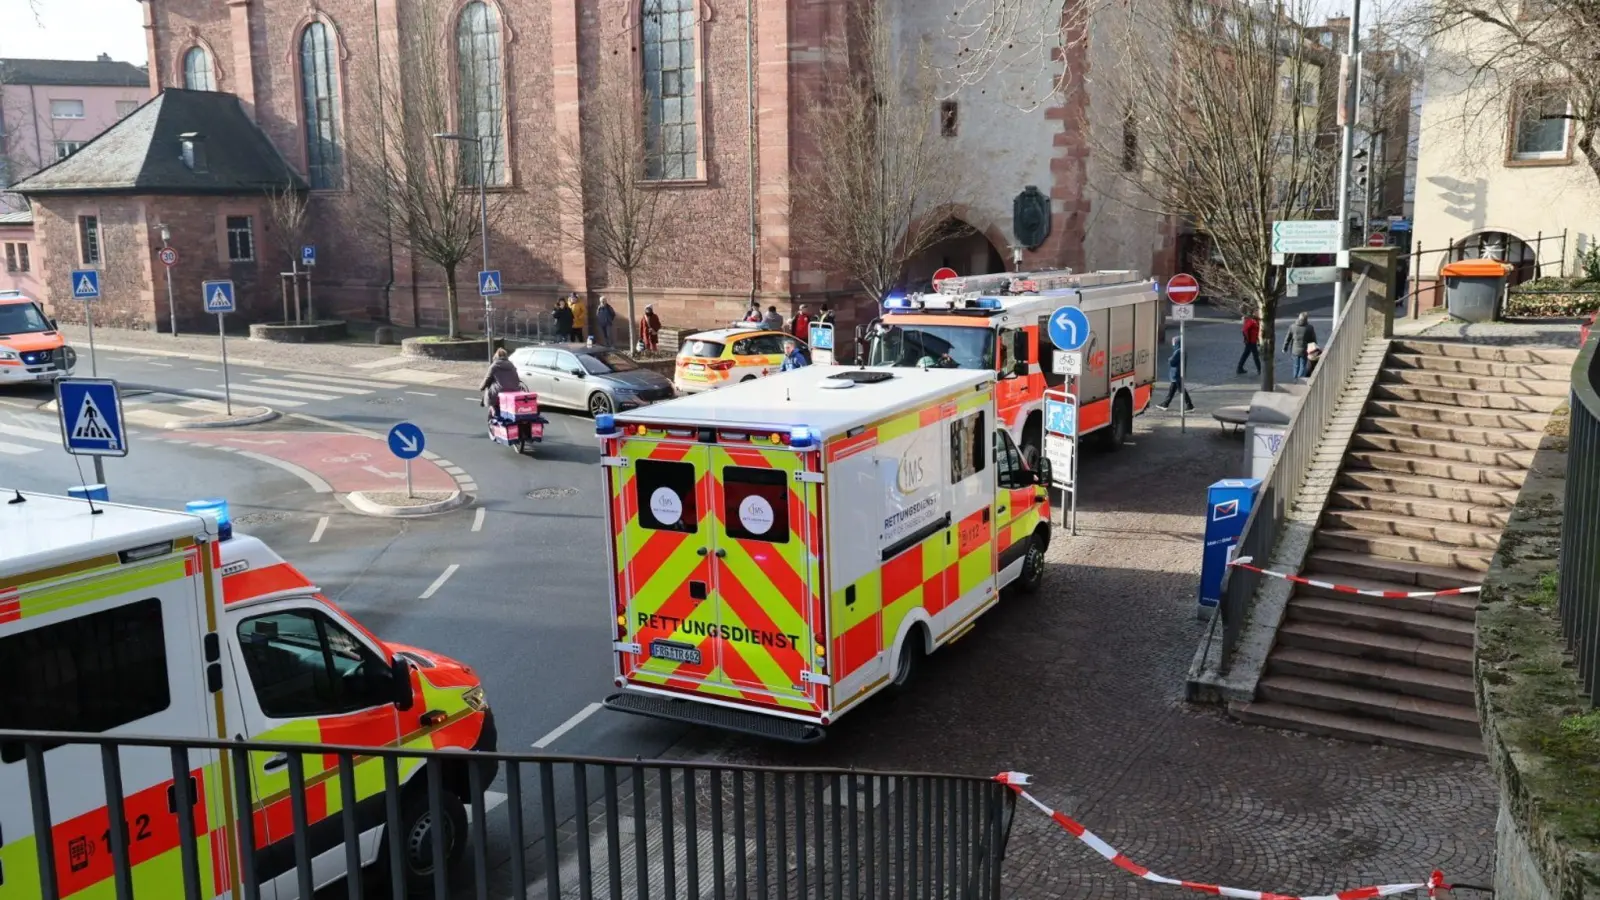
483 223
1349 104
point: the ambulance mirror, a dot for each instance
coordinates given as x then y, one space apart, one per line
1042 472
1019 350
400 682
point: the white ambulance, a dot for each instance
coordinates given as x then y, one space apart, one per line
786 548
124 620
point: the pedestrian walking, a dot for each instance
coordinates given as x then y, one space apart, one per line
825 316
1297 343
580 318
563 319
1175 378
1251 328
604 318
650 328
772 321
800 325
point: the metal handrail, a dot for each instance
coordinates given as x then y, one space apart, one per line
1287 471
1578 590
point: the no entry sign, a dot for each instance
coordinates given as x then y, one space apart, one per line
1183 289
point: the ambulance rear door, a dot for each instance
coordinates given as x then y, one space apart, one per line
718 571
111 648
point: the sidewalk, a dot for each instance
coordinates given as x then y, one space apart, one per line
367 361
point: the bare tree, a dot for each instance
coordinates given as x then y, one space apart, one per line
407 182
875 177
1220 132
626 220
287 209
1534 57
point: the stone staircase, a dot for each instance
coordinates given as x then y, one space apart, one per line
1425 488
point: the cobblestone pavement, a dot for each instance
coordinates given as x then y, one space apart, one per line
1082 686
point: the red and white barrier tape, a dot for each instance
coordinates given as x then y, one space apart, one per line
1243 562
1016 781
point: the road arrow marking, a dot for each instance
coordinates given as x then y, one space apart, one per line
237 440
382 474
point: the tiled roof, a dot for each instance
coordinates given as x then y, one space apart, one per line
24 217
94 73
142 153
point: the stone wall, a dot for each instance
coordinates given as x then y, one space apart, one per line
1541 734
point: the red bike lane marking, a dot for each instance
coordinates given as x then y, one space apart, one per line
348 462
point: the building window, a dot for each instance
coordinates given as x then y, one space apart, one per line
1542 125
480 71
241 244
125 108
949 118
66 109
90 673
65 149
197 74
319 97
671 143
1308 92
1130 141
17 257
89 240
1285 88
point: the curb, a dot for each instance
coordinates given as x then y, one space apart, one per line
267 415
358 501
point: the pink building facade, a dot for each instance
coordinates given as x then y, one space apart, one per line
50 108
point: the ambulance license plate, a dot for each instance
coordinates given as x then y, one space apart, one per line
672 651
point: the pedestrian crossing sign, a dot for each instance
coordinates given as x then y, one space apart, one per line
91 417
218 296
85 284
489 282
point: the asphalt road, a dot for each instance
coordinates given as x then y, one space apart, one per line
513 584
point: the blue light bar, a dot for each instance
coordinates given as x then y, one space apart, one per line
216 507
802 437
987 302
897 301
605 424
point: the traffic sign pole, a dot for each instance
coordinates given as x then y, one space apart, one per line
218 297
227 386
407 442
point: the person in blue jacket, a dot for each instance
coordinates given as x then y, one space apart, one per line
793 356
1175 378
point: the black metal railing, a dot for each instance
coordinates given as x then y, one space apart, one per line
1578 588
571 827
1549 258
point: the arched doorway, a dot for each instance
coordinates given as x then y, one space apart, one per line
1500 245
967 250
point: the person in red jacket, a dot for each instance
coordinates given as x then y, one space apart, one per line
1251 329
650 328
800 325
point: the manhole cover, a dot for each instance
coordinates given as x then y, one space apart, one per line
260 518
552 493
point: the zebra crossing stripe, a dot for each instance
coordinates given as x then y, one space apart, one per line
250 398
17 449
305 385
340 379
280 392
32 434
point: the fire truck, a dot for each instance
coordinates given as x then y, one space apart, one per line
999 322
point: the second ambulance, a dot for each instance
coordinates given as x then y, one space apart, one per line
786 548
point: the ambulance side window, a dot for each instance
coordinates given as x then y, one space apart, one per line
755 504
966 447
1010 474
664 495
89 673
302 663
1047 355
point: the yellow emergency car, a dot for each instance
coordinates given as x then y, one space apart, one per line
784 549
714 359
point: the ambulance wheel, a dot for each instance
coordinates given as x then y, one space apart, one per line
1032 565
910 661
416 838
600 404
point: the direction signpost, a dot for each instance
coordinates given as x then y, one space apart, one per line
1070 331
86 287
218 298
1320 236
92 424
406 441
1183 289
1313 275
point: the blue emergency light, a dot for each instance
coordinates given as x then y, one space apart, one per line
987 303
605 424
802 437
897 301
218 508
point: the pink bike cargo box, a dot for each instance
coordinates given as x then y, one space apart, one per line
519 403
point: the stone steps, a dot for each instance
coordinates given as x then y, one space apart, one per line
1463 607
1476 435
1406 464
1405 549
1372 614
1357 728
1360 643
1558 356
1481 367
1499 457
1340 567
1430 530
1473 383
1332 696
1422 486
1420 508
1380 675
1508 420
1466 399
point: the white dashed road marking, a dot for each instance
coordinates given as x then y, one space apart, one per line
566 726
322 525
477 519
439 582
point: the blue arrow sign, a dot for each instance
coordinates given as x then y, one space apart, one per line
1060 417
406 441
308 254
85 284
218 296
1069 328
91 417
489 282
